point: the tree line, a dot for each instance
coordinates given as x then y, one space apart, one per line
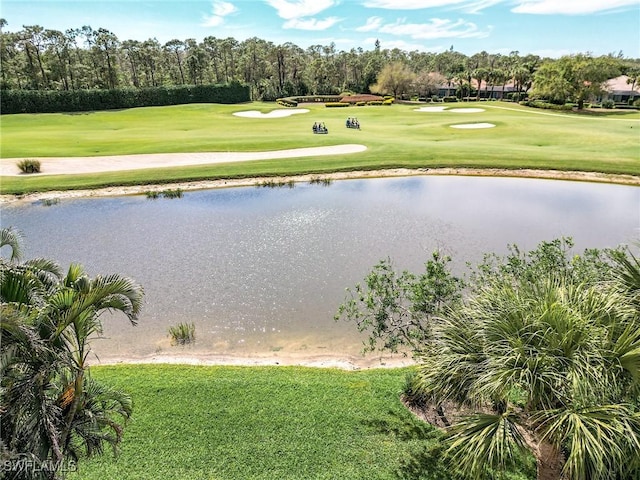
36 58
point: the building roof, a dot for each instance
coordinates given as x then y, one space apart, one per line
620 86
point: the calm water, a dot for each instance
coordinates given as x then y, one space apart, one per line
263 270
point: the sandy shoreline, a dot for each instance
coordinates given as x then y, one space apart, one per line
344 362
396 172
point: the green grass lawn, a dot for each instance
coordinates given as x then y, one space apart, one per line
196 422
396 136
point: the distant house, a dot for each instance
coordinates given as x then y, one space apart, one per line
619 90
498 92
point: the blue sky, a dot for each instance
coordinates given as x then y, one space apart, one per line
543 27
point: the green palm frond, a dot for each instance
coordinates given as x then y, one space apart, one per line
481 440
12 238
597 438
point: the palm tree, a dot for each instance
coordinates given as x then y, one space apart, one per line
51 410
548 365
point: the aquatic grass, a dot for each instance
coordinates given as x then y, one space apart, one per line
172 193
152 194
320 181
276 184
182 333
284 423
48 202
396 136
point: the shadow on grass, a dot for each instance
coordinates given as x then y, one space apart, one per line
425 454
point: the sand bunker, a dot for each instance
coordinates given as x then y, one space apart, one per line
466 110
431 109
474 125
58 166
279 113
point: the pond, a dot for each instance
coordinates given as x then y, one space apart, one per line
261 271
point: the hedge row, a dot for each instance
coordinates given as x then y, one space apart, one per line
547 105
51 101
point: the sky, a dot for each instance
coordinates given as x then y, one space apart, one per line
549 28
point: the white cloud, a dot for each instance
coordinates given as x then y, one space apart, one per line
479 5
373 23
406 46
436 28
220 10
311 23
409 4
571 7
467 6
301 8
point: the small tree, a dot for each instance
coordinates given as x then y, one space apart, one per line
395 78
52 411
544 351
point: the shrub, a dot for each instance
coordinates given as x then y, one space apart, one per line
375 102
29 165
608 104
388 101
287 102
360 104
336 104
450 99
152 195
182 334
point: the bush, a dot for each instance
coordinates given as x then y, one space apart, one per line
608 104
336 104
182 334
287 102
450 99
375 102
388 101
360 104
29 165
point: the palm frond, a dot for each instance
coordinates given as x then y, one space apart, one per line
12 238
482 440
597 438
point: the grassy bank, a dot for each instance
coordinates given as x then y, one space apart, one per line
395 136
268 423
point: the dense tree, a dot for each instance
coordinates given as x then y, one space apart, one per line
574 78
52 411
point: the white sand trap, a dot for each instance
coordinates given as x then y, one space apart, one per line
466 110
112 163
279 113
431 109
474 125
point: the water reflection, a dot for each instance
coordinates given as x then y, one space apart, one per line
263 270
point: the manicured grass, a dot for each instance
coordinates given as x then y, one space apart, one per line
396 136
195 422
